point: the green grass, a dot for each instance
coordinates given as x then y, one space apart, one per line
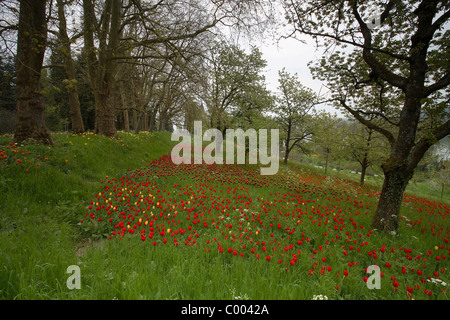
41 234
421 184
40 209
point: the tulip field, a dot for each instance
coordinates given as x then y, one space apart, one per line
140 227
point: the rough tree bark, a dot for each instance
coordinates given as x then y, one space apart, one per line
31 43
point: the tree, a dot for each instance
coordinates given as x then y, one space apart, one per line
31 44
234 79
345 77
293 105
153 25
405 49
57 117
101 67
7 94
70 82
328 133
365 146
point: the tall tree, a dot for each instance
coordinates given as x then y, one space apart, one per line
101 67
292 110
234 76
71 82
166 22
365 146
406 47
31 44
329 136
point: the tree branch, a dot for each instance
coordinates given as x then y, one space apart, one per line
440 84
378 68
426 142
368 123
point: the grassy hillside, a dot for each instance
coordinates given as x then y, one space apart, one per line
44 192
139 227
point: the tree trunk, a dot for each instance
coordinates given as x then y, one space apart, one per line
103 68
162 122
145 124
134 105
105 118
135 118
74 102
31 42
152 125
286 154
126 120
288 138
138 124
326 160
364 166
386 215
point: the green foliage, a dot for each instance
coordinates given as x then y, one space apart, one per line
55 85
293 112
7 83
7 94
236 90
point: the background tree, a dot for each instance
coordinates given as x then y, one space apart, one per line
153 26
101 66
329 137
406 49
7 94
57 115
70 81
234 78
345 77
292 112
365 146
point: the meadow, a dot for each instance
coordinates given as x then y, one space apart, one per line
140 227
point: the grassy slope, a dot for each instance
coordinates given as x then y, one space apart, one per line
40 208
422 188
40 235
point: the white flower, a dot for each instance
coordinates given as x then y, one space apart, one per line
437 281
319 297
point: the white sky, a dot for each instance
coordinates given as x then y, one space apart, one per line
294 56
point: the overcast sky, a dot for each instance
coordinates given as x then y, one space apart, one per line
294 56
